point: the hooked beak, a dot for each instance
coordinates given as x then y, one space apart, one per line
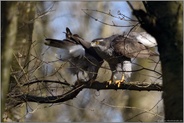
93 44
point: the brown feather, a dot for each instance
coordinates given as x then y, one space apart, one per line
130 48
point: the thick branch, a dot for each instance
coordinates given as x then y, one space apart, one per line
53 99
137 86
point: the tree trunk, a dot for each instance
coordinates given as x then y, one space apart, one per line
163 20
9 31
17 39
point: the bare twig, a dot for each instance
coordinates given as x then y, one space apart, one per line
113 24
130 5
130 107
125 18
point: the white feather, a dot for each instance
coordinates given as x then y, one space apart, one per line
145 39
127 66
76 51
70 52
83 76
63 54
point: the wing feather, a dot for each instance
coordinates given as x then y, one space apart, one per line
71 49
131 49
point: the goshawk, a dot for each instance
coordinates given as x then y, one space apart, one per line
118 50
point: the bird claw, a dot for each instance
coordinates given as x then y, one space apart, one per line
117 82
110 82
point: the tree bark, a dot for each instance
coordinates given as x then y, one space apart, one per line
164 21
17 27
9 31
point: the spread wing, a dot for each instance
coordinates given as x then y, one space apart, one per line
130 48
83 63
71 49
59 43
85 44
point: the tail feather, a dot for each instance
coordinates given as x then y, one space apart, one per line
58 43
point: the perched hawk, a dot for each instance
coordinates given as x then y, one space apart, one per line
84 61
118 50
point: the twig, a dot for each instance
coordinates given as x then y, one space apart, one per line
114 25
46 81
109 14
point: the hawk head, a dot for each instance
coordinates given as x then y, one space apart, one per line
97 42
100 44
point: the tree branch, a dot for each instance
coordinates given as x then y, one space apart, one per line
136 86
52 99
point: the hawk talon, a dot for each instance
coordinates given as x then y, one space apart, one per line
118 82
110 82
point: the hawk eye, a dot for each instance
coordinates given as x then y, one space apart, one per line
97 42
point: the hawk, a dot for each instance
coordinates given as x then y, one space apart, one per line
83 59
118 50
